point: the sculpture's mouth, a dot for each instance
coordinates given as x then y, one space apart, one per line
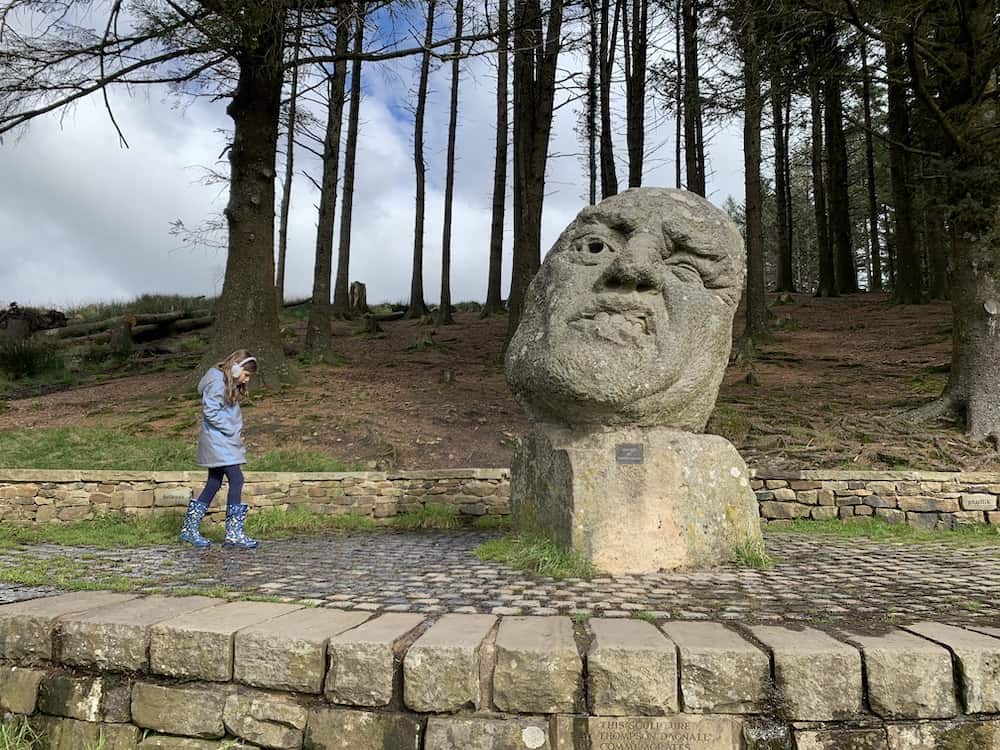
618 321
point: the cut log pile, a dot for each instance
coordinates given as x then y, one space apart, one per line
20 322
137 328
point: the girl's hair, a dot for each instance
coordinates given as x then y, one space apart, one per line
236 392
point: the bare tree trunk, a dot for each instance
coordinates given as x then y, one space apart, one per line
608 42
417 307
846 274
247 310
593 63
785 281
318 326
635 89
875 253
679 98
341 289
694 151
535 58
826 286
444 314
494 302
938 251
907 287
286 185
756 302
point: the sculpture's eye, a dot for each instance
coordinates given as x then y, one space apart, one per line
592 247
595 246
686 271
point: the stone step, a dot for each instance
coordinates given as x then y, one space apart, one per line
819 677
978 658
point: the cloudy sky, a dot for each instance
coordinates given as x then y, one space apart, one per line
83 219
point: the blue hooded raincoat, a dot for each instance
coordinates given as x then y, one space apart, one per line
221 440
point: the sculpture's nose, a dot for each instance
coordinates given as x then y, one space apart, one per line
634 269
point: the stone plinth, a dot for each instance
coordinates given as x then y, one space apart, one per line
635 500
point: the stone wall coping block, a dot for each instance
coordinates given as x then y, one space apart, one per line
819 676
538 668
363 661
631 669
978 657
720 670
200 644
288 652
441 668
116 637
26 627
909 677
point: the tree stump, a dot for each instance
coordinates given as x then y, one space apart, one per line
358 298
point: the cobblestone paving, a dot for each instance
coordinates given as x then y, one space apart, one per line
818 581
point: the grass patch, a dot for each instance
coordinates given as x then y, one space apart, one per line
92 448
29 359
16 734
492 523
873 528
536 554
750 553
431 516
101 448
67 574
109 531
729 423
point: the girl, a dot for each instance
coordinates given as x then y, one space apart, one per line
221 448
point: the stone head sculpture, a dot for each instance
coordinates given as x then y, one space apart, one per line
629 319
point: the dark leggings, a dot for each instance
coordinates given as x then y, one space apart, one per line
235 476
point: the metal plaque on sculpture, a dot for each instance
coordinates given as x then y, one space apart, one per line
628 453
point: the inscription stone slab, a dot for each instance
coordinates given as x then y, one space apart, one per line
710 732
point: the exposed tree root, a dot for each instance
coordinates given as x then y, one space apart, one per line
945 406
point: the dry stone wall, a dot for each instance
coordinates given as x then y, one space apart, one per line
147 673
927 500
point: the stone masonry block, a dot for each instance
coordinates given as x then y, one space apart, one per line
340 729
720 671
19 689
945 735
819 677
117 637
451 733
441 668
841 739
289 652
908 677
978 658
200 644
632 669
538 667
106 698
26 627
363 661
270 720
188 711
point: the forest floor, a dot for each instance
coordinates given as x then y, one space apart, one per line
831 390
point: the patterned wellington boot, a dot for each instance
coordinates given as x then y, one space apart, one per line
192 520
235 535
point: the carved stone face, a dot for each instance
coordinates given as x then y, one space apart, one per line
629 319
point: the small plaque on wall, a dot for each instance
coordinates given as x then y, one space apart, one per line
628 453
